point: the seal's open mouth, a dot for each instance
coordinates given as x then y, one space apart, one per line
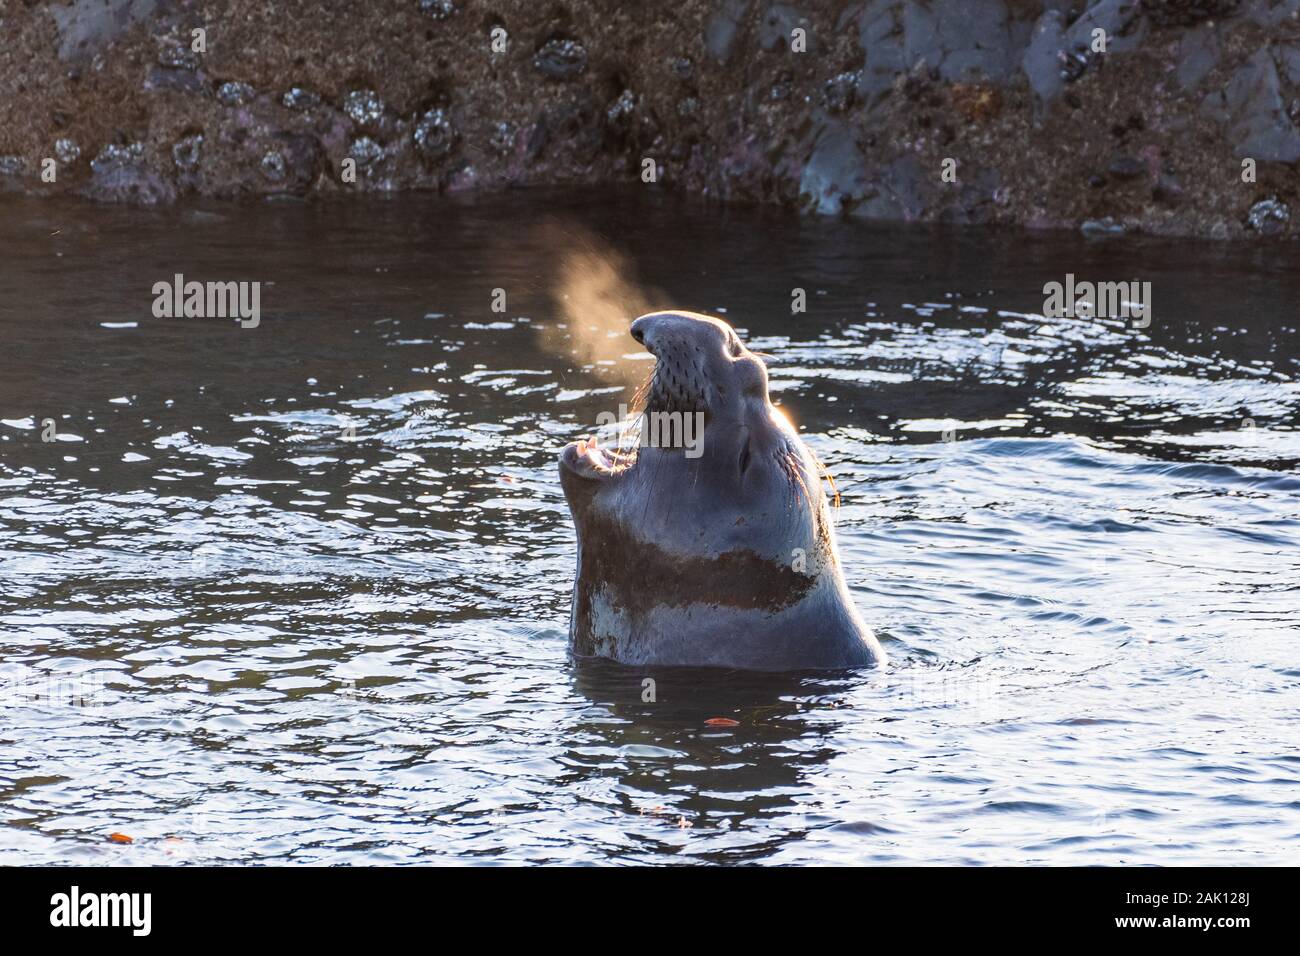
673 406
666 395
588 458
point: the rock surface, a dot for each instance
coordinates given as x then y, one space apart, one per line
1166 116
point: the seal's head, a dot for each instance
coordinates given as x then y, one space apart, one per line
711 544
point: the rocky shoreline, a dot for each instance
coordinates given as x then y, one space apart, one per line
1170 117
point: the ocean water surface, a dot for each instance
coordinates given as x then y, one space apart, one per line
299 593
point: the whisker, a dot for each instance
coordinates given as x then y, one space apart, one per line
795 472
824 472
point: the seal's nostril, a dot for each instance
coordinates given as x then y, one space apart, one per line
638 334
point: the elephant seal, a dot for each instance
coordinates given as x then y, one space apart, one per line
719 554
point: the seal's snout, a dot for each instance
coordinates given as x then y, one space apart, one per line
653 331
660 330
689 331
700 366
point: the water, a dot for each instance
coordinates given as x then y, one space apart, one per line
299 593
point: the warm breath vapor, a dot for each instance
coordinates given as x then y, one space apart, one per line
596 300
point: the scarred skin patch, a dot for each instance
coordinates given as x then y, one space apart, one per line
644 576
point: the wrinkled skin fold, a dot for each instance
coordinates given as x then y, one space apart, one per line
724 557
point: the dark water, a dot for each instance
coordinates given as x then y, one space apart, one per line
300 592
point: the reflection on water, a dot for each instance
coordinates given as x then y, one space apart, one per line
300 592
